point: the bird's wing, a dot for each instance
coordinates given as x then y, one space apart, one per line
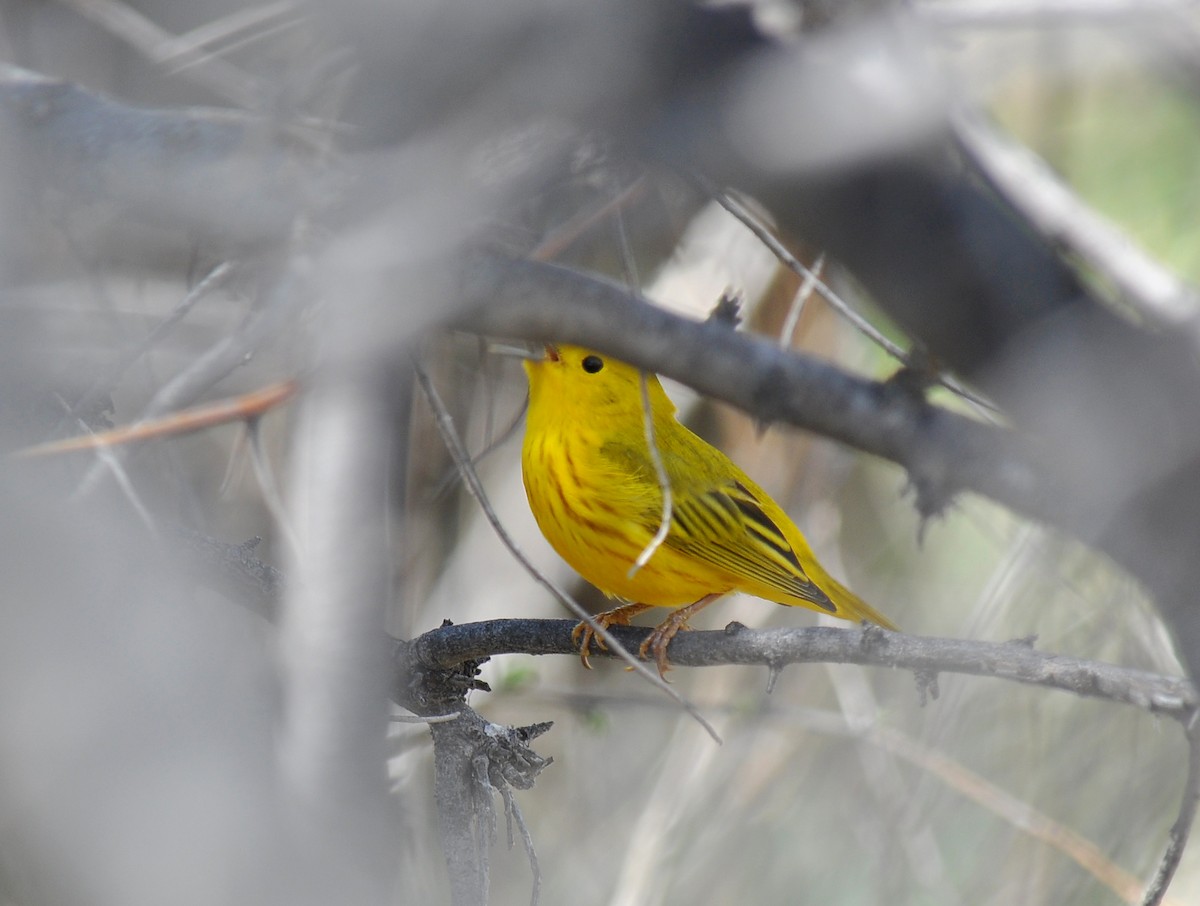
727 527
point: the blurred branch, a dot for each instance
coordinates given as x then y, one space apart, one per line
1016 661
1182 828
106 383
1027 13
1017 812
230 178
1021 177
232 31
160 46
942 452
247 407
233 570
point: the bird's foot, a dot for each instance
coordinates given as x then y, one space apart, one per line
584 634
656 643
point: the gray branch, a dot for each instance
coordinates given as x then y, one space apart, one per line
942 452
1016 661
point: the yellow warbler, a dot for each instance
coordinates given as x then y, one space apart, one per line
594 489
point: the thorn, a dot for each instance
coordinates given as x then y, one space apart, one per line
533 731
773 671
728 309
927 686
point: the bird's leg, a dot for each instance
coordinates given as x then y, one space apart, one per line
656 643
583 634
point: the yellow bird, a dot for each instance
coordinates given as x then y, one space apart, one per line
594 490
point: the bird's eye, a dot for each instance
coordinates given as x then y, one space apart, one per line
592 363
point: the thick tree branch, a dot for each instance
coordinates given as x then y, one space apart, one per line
942 452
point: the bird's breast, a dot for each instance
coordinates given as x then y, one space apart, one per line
595 517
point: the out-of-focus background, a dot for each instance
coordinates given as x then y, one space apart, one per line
144 709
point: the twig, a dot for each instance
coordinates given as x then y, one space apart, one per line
461 458
807 285
496 443
1020 814
865 327
210 281
227 27
563 236
1026 13
248 406
422 719
109 461
196 46
1182 828
664 483
512 811
157 45
270 487
660 469
215 363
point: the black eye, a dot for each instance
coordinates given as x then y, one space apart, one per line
592 364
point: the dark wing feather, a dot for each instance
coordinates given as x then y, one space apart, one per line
726 527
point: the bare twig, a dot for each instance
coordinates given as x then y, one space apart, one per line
109 461
565 235
421 719
1182 828
496 443
513 812
239 408
159 45
664 483
231 26
843 308
1018 813
223 357
660 469
807 285
270 487
475 486
1026 13
210 281
239 28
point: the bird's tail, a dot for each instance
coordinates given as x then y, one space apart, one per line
850 606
